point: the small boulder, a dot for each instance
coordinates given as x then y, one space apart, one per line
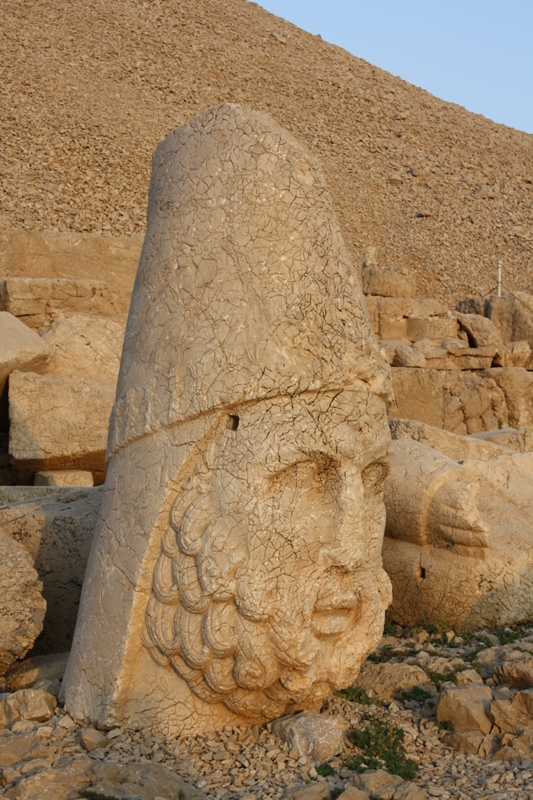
21 747
34 705
22 606
378 782
91 738
351 793
26 673
385 282
409 791
64 477
315 791
312 734
467 742
466 707
518 674
468 676
387 681
20 348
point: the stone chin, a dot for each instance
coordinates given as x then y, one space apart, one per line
218 623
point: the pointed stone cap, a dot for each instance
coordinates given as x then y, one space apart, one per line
245 289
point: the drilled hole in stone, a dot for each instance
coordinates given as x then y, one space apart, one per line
233 422
422 572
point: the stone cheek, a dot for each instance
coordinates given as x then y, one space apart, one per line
236 572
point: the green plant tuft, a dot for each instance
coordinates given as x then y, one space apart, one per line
381 747
417 693
325 769
355 694
446 725
336 792
88 794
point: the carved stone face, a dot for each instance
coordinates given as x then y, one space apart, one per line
276 576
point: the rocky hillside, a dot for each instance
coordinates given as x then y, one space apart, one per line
88 89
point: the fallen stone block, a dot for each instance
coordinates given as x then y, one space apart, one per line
315 791
36 254
466 707
57 423
39 301
352 793
389 681
56 531
467 742
26 673
314 735
22 605
457 401
387 282
34 705
64 477
20 348
518 674
378 782
453 445
21 747
512 315
84 345
389 314
419 328
517 387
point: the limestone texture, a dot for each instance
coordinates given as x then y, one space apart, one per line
22 605
24 674
85 344
20 348
236 573
389 681
459 540
39 301
466 707
58 422
65 477
56 531
311 734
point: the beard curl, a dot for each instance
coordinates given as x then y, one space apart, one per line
197 623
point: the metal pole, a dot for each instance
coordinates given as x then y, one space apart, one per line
499 281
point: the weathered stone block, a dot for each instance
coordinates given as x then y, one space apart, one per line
84 345
58 422
20 348
466 707
387 282
431 328
56 531
39 301
22 605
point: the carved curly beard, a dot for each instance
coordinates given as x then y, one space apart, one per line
201 618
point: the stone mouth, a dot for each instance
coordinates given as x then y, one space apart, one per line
334 610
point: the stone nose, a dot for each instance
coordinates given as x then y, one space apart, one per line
346 549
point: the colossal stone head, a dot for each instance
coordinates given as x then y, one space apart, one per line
243 516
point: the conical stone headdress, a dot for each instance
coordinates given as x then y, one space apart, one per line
245 289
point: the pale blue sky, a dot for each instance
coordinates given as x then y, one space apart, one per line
477 53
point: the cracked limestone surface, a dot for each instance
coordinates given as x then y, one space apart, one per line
236 574
459 542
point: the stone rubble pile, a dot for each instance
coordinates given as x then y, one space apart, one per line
463 372
462 703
